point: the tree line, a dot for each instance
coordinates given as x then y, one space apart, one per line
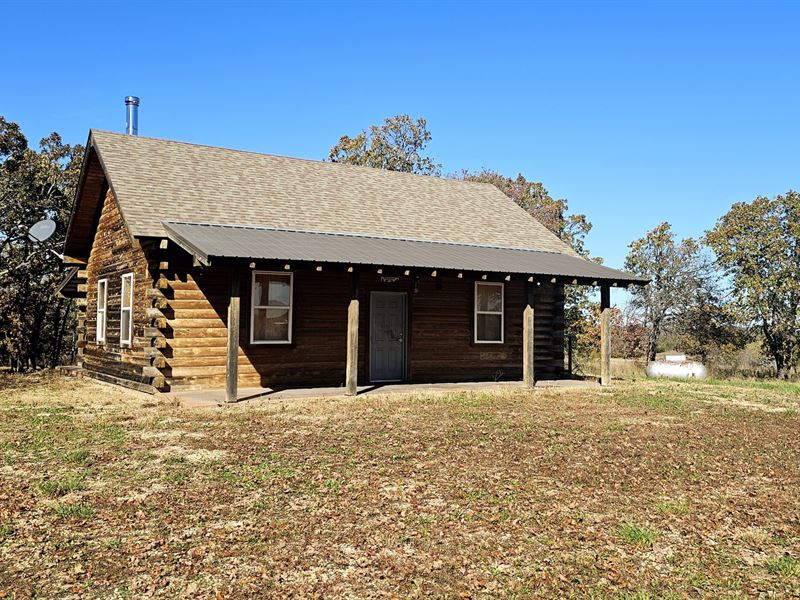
37 329
736 286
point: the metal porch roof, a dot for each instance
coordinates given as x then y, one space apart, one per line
209 241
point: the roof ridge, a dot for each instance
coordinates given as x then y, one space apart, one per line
364 235
283 156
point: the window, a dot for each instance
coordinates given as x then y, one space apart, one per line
102 301
271 308
126 310
488 313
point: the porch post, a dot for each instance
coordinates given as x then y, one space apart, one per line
605 335
351 369
528 372
232 366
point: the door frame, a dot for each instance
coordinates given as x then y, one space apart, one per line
404 370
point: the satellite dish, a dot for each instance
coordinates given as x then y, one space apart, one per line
42 230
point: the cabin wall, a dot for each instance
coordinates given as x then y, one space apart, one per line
194 303
442 334
113 254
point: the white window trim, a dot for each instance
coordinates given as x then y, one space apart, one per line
253 307
123 310
501 312
100 336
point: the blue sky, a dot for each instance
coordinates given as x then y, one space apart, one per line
637 113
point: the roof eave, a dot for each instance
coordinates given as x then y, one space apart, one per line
203 254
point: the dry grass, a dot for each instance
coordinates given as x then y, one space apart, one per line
646 490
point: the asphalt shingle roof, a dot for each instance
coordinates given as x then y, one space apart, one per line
158 180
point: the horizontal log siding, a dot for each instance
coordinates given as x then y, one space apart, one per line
442 333
440 327
113 254
196 338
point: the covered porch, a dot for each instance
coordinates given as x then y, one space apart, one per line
218 397
411 311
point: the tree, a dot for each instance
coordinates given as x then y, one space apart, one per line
710 326
757 244
628 333
34 184
677 271
396 145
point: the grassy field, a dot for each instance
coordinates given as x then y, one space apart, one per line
644 490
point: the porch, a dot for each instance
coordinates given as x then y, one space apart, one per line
302 310
217 397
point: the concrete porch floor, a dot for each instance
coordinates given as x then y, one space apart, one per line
216 397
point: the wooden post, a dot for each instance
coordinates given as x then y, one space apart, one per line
528 371
569 355
232 368
605 335
351 369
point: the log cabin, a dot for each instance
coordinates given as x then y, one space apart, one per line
204 267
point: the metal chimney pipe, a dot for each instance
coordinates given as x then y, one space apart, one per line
131 115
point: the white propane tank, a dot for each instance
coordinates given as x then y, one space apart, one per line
677 366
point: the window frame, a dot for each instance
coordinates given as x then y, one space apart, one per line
501 312
126 342
98 337
254 306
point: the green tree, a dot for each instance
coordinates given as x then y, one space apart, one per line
710 326
397 145
677 272
34 184
758 245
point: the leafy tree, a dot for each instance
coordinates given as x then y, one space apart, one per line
397 145
677 272
758 245
710 326
34 184
628 334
